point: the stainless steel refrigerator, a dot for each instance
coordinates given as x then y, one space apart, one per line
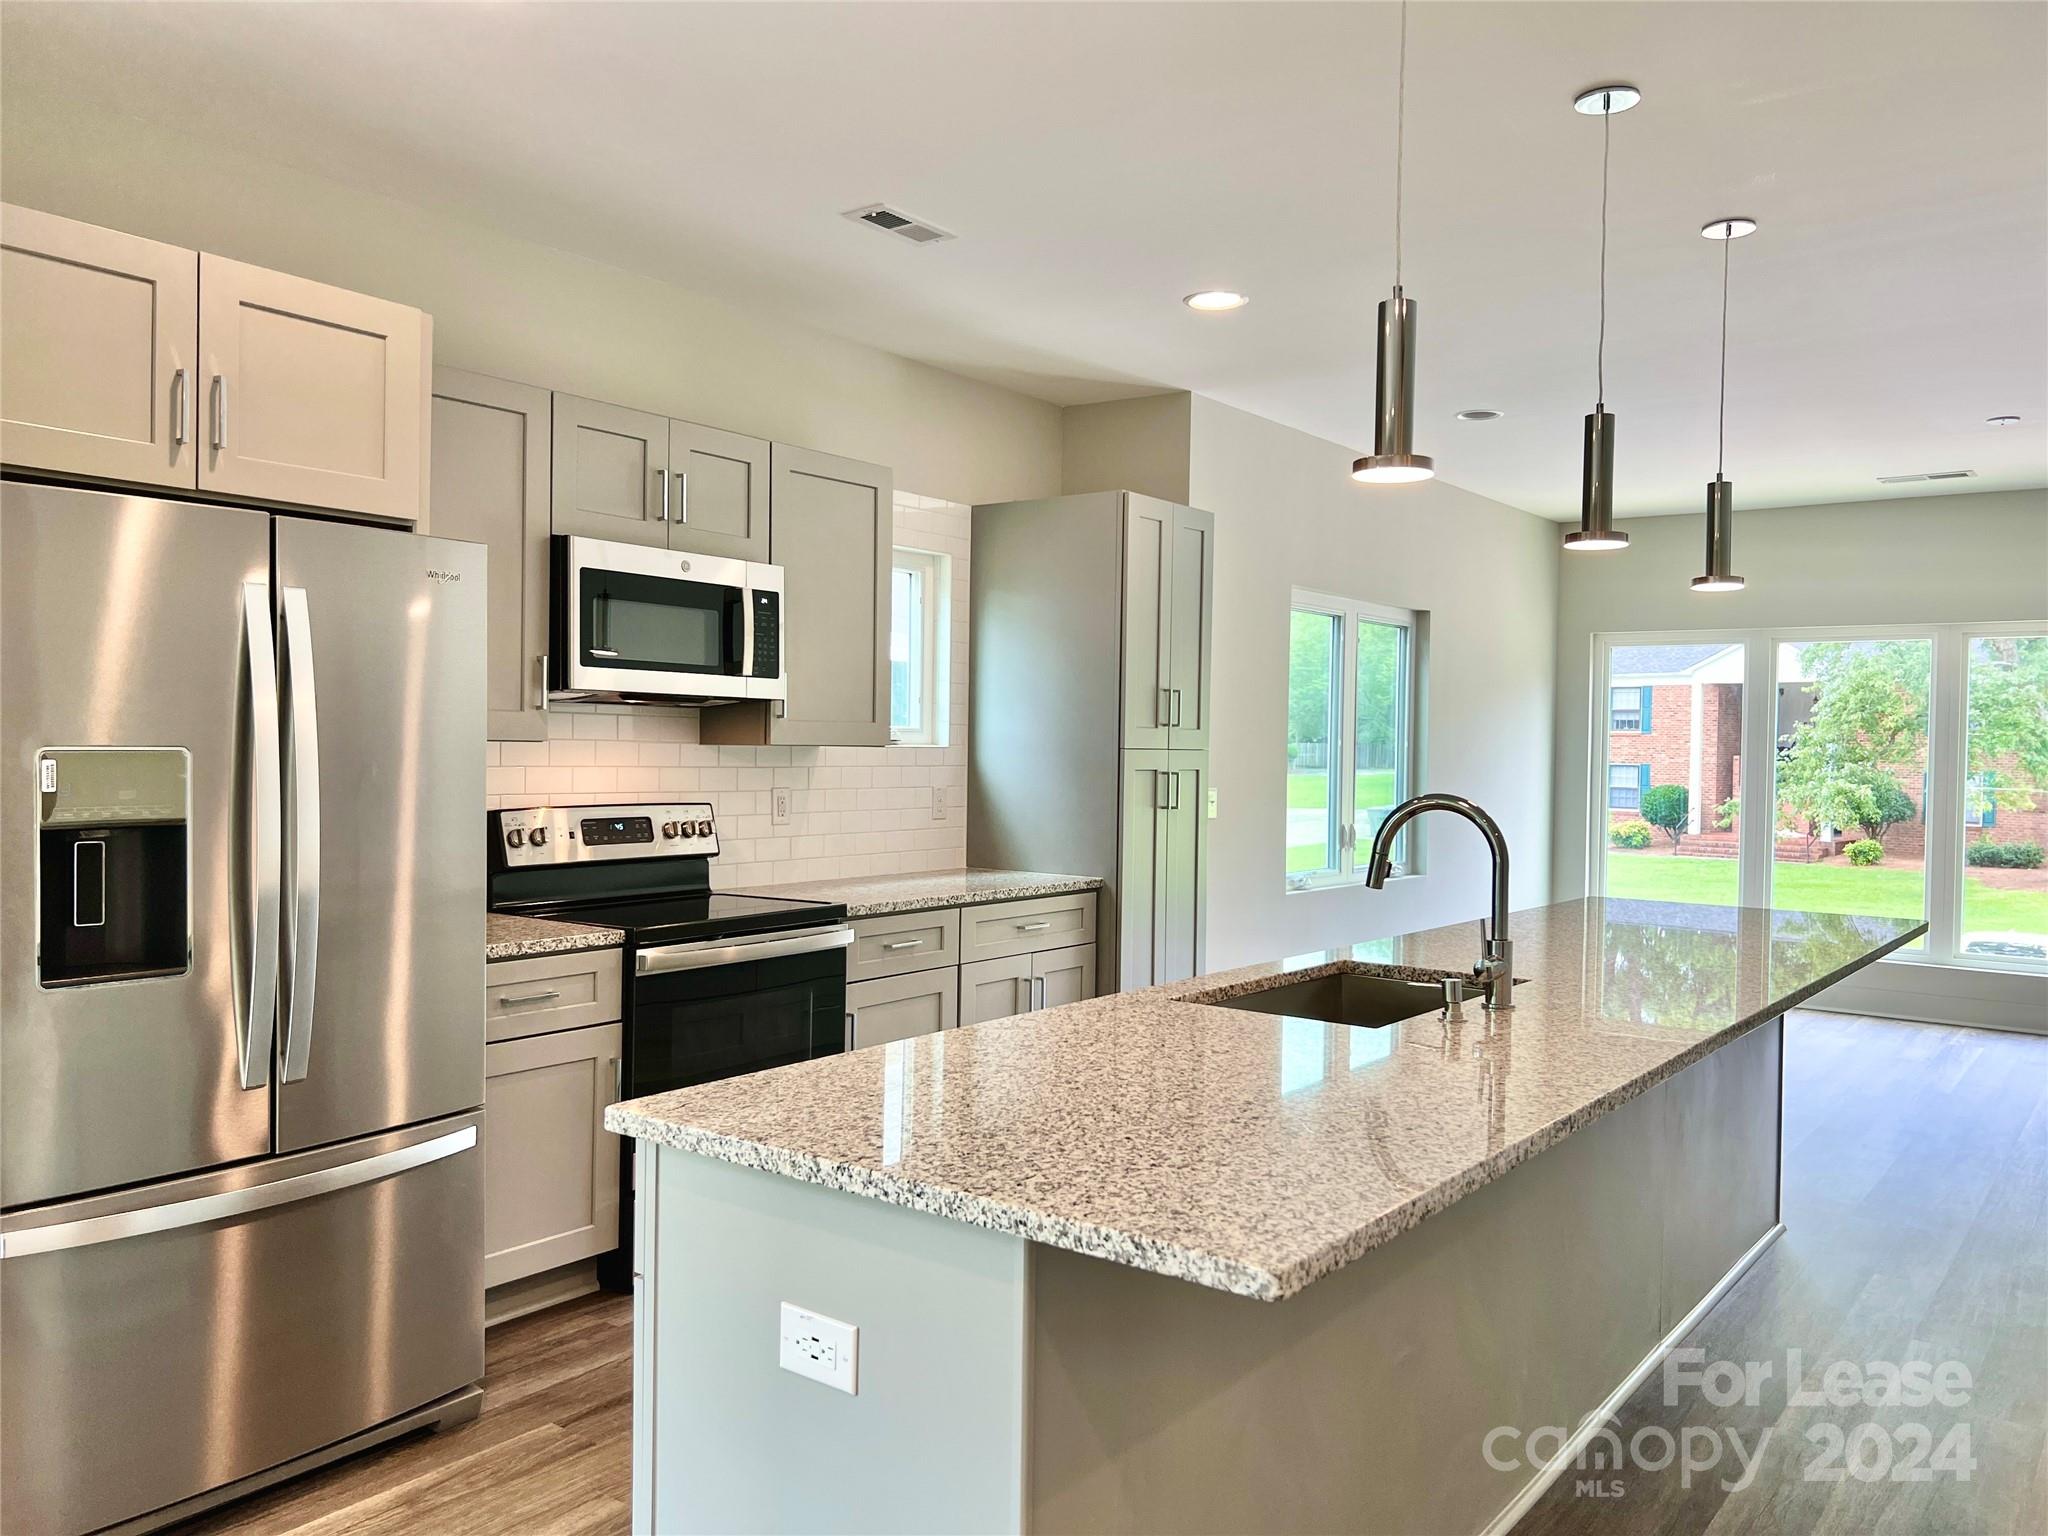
241 997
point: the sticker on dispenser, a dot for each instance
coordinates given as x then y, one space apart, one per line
49 770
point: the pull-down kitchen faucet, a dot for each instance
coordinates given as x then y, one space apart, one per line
1496 967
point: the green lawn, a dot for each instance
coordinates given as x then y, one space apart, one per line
1311 792
1831 886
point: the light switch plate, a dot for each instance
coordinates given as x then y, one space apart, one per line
778 806
820 1347
1212 805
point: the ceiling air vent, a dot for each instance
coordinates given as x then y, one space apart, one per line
898 223
1937 474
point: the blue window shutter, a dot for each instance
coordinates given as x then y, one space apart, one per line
1990 805
1645 726
1642 781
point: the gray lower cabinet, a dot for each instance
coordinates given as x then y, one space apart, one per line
1014 984
551 1170
1164 836
896 942
491 485
898 1007
1064 975
833 534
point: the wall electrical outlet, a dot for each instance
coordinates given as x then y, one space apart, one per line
821 1348
778 806
938 802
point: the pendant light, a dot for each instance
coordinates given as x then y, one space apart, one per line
1719 576
1596 474
1393 459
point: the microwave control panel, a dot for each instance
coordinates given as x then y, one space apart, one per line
767 658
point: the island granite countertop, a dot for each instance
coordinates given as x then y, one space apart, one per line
880 895
1255 1153
516 938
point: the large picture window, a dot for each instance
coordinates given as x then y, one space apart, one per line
1901 773
1351 682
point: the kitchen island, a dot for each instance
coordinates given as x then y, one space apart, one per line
1152 1261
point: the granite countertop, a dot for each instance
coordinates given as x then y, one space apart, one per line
1255 1153
877 895
515 938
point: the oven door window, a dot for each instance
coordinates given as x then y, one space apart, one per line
698 1026
658 623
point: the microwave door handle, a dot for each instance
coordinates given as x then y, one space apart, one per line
257 1005
302 750
739 631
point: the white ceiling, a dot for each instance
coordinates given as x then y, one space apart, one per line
1099 161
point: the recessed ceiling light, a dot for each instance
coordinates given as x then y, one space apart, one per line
2001 421
1216 301
1479 415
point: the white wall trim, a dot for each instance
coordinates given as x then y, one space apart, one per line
1978 998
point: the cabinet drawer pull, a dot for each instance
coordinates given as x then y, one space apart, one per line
904 944
1038 927
531 997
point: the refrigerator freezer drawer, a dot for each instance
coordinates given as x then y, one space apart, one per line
166 1341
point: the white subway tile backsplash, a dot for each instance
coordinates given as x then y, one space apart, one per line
853 810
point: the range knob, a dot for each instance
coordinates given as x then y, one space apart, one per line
671 829
515 837
703 829
537 837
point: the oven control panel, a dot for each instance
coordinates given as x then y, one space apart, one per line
578 834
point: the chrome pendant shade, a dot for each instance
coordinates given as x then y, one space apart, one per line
1596 529
1393 460
1720 540
1720 572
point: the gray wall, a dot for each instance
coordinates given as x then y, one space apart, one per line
1128 445
523 311
1907 560
1289 515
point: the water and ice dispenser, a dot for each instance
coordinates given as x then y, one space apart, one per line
114 858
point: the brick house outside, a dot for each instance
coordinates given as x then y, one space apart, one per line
1675 717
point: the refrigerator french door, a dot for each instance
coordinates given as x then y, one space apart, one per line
241 1051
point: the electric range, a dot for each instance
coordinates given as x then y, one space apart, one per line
716 985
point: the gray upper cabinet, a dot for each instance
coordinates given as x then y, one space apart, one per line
611 477
491 486
1148 622
832 534
720 492
98 333
125 359
311 394
1192 582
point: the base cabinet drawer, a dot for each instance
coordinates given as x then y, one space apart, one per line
551 1170
546 993
1014 984
903 941
898 1007
1019 927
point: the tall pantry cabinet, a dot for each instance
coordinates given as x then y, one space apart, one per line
1089 731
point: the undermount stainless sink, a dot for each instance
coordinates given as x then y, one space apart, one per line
1343 998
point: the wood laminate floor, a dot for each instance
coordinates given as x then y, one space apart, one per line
1916 1205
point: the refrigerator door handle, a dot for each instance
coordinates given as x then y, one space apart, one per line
258 1004
93 1230
302 751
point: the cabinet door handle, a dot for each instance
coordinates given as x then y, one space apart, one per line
1037 927
1159 800
903 944
661 513
1176 708
683 497
1038 992
531 997
542 658
618 1078
1174 803
220 412
851 1043
181 409
1162 712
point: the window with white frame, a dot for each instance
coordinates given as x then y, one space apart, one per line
918 591
1352 671
1903 773
1625 710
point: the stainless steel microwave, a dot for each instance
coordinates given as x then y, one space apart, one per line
629 621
